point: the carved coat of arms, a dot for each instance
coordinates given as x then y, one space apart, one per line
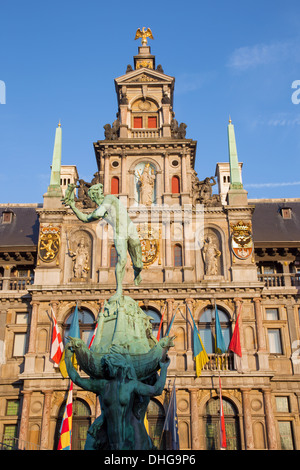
241 239
149 238
49 243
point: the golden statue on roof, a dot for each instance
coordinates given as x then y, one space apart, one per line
144 35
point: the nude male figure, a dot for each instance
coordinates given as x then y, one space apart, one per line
125 234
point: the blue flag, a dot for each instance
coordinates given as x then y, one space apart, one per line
220 343
171 422
200 355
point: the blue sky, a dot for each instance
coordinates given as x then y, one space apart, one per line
58 61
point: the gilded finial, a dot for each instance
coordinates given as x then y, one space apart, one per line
229 120
144 35
59 124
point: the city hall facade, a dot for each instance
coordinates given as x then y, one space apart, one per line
205 246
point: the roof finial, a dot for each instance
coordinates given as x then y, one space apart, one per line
229 119
59 124
144 35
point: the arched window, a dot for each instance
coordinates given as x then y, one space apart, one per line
86 322
207 328
80 425
175 185
212 424
114 185
156 317
113 256
177 255
156 417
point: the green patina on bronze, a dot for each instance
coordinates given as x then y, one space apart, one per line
125 357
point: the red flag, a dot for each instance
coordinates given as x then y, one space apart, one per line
65 439
57 346
93 337
223 443
235 343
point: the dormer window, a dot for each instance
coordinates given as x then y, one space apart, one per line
7 216
286 212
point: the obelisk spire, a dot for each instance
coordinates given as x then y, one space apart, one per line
54 189
235 176
237 195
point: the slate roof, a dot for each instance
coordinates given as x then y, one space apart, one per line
269 225
24 228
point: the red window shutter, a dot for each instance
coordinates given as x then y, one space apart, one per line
137 122
115 185
152 122
175 185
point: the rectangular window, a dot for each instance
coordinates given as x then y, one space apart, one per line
286 435
12 407
272 314
22 319
137 122
275 346
10 432
19 344
282 404
152 122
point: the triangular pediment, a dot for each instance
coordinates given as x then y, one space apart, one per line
144 75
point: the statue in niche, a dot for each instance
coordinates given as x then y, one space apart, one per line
81 260
146 185
211 253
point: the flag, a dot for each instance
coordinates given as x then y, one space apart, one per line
74 332
200 356
65 438
57 346
171 421
93 337
146 422
235 343
220 343
223 443
160 325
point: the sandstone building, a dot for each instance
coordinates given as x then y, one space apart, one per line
205 244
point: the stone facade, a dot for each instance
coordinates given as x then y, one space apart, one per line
187 227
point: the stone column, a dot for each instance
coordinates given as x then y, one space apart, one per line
170 303
24 418
183 172
189 353
124 174
270 421
46 419
106 174
249 441
262 354
33 327
167 176
195 428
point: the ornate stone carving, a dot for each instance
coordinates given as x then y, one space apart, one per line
111 132
146 182
81 259
202 191
178 132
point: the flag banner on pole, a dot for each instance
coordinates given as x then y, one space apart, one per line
57 346
235 343
65 439
171 421
223 443
74 332
200 356
160 325
220 343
